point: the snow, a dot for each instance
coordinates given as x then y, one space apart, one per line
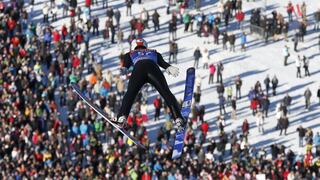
253 65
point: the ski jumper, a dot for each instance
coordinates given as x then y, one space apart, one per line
146 69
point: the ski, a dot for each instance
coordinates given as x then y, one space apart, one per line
98 110
186 107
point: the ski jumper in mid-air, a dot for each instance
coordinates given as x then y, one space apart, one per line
146 69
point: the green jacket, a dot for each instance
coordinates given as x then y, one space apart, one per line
186 18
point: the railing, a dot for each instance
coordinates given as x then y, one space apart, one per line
254 29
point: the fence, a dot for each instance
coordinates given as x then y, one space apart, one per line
257 30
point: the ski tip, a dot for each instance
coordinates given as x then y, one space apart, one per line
191 69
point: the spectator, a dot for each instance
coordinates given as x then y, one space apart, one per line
117 16
234 108
265 104
267 84
119 38
260 121
225 39
155 20
173 51
45 12
157 105
298 65
287 102
205 58
172 30
95 25
238 83
232 41
197 55
220 68
307 96
243 39
284 124
245 129
212 70
295 42
254 106
128 5
222 101
240 17
286 54
274 82
306 66
290 9
229 94
302 133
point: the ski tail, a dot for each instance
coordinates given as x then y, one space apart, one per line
104 115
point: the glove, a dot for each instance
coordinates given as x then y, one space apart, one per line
174 71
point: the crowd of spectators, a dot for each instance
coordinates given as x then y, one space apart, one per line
37 64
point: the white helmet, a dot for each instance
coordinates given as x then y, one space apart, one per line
140 42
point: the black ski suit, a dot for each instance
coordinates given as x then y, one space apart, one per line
146 70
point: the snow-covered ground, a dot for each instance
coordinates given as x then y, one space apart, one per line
253 65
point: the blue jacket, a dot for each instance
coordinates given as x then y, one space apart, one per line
221 100
316 140
243 39
83 129
157 167
47 37
210 19
251 95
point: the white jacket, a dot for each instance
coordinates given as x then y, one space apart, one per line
298 62
259 119
45 10
220 7
143 109
197 82
205 57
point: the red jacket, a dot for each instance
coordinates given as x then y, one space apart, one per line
88 3
146 176
56 36
139 120
212 69
64 31
15 41
11 24
79 38
204 128
75 61
156 103
245 127
254 104
240 16
130 120
290 8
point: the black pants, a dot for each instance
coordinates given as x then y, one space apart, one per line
298 72
219 77
211 77
238 91
157 114
285 131
146 71
306 71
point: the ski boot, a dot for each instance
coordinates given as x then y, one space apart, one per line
181 124
119 121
